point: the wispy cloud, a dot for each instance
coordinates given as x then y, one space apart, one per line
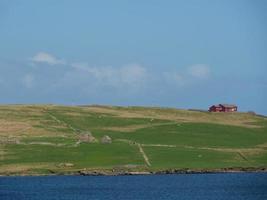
43 57
189 76
28 81
199 71
129 75
175 78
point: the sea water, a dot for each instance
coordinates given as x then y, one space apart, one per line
228 186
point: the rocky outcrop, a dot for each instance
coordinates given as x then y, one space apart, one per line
63 165
4 140
106 139
87 137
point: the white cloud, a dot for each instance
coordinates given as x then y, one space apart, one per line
199 71
132 75
43 57
190 76
175 78
28 81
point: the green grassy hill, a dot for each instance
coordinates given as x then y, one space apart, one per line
41 139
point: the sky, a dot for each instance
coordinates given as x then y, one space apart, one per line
171 53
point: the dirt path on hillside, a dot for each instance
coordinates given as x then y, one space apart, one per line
144 155
61 122
141 150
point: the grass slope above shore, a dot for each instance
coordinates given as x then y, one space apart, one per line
44 139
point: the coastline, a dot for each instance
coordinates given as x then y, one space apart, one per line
156 172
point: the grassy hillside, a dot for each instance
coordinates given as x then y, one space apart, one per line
48 138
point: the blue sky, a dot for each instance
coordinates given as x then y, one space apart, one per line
174 53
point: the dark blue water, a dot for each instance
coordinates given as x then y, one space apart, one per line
194 186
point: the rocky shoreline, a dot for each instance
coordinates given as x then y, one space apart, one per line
170 171
112 172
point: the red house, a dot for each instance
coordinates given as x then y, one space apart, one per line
223 108
215 108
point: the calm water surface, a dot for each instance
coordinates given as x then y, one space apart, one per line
194 186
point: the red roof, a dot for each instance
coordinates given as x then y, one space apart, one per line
228 105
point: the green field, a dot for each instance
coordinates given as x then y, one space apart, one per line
42 139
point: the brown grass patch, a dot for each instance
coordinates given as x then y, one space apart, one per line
15 168
11 127
264 145
243 151
234 119
75 114
133 128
